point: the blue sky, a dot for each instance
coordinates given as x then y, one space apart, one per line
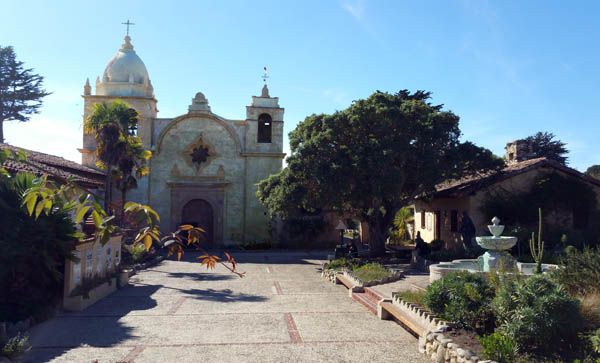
507 68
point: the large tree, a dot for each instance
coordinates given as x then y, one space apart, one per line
119 150
21 90
543 144
372 159
593 171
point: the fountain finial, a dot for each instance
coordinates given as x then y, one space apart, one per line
496 229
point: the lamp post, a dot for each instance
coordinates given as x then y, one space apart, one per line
342 227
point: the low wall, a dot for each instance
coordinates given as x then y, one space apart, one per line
433 342
94 260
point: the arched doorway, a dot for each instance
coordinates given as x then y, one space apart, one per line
199 213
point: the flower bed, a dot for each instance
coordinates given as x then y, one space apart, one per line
372 278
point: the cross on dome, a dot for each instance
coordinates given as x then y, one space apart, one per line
128 24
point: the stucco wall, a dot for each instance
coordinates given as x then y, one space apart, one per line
170 164
257 219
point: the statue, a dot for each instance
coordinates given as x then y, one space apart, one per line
467 229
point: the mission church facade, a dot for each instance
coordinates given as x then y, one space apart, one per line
204 168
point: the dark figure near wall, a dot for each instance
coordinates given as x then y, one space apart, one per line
467 229
421 246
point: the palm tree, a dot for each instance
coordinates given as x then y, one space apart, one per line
120 152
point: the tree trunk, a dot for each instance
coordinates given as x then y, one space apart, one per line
378 232
376 242
123 195
108 189
1 131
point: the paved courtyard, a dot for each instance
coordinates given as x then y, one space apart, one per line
282 311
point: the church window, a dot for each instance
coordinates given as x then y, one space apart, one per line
199 154
264 128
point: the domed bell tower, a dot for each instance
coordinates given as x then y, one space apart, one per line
125 78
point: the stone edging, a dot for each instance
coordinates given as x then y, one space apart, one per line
441 349
434 343
396 275
425 319
328 273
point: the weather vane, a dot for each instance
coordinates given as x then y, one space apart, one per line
128 24
265 76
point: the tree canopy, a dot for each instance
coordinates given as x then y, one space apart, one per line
593 171
372 159
21 90
119 150
543 144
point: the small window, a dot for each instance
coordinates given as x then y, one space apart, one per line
422 219
454 220
264 128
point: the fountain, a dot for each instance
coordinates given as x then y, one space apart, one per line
496 256
497 247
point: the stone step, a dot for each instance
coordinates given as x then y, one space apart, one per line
374 295
367 300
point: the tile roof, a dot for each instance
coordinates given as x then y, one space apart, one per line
470 184
49 164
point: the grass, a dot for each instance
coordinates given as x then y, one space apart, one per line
371 272
412 296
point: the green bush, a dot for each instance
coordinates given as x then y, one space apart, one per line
499 347
15 346
32 252
436 245
462 298
371 272
135 253
539 315
579 271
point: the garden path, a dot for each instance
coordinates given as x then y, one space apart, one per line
282 311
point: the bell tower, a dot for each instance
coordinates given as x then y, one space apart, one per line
264 118
125 78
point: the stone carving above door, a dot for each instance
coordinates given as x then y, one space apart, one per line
199 154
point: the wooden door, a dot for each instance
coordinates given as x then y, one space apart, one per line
199 213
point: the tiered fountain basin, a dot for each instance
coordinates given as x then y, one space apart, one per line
495 258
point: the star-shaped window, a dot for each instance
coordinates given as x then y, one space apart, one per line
199 154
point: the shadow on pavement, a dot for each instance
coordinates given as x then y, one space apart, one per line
97 326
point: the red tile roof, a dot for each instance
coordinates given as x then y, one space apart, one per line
49 164
470 184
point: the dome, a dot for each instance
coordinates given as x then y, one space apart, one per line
125 75
126 66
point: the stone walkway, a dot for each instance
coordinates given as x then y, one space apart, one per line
283 311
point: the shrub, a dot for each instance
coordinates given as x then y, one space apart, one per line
537 314
371 272
499 347
412 296
340 263
462 298
15 346
590 310
32 252
579 271
135 253
436 245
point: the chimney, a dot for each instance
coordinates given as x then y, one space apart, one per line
518 150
